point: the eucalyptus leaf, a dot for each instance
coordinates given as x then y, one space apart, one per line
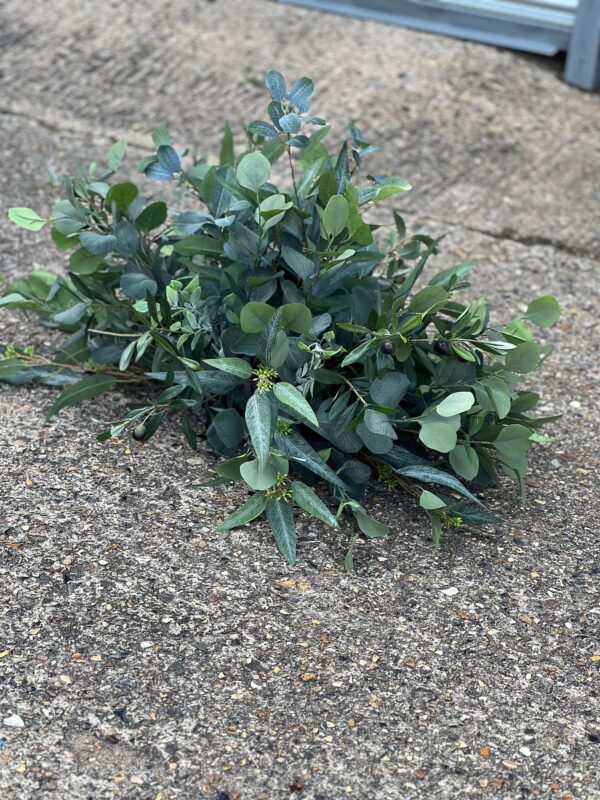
253 171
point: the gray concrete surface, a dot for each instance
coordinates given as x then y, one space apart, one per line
147 657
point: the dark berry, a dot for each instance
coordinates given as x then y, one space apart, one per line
388 348
139 432
442 348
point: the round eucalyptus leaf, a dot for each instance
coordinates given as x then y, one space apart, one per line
253 171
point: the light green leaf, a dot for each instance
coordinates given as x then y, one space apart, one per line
26 218
198 244
278 353
234 366
436 529
275 83
312 504
378 423
290 396
227 154
513 439
257 477
258 419
82 262
127 355
464 461
335 216
371 528
251 509
253 171
255 316
455 403
391 186
524 358
281 521
11 366
296 317
499 395
271 211
116 154
543 312
429 500
84 389
16 300
161 136
439 433
71 315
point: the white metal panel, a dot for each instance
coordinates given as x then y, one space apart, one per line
561 12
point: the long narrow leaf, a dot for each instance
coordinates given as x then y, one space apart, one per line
281 521
312 504
295 446
432 475
258 419
82 390
290 396
251 509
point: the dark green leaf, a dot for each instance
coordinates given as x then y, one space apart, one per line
255 316
153 216
543 312
84 389
234 366
281 521
122 195
251 509
258 419
275 83
312 504
390 389
432 475
227 155
524 358
297 447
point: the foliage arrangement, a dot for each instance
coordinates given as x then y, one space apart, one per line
273 315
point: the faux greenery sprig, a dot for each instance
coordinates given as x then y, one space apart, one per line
313 355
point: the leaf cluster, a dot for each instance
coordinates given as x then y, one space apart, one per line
314 355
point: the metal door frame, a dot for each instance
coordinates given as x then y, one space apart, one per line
547 32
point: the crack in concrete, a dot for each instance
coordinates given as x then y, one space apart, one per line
512 235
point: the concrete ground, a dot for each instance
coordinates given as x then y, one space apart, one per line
144 656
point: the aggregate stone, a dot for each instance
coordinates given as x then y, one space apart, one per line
144 656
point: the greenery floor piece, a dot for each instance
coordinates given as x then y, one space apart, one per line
272 312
